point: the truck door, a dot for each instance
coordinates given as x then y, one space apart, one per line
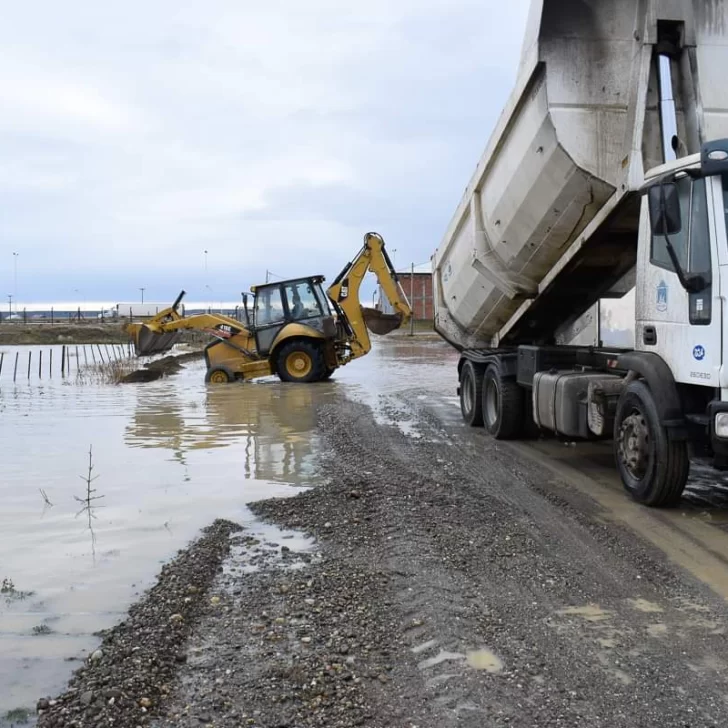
683 328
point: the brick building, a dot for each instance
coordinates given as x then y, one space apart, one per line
418 289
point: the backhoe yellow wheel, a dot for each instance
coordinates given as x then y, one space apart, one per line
300 361
219 375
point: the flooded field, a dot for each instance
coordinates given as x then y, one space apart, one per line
168 457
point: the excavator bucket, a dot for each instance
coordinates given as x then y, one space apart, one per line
381 323
148 342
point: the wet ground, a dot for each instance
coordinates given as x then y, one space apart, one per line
169 457
432 577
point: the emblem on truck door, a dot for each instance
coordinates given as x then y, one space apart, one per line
662 296
699 352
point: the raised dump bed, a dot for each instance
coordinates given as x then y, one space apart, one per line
548 223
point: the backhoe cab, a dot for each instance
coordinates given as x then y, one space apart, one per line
295 330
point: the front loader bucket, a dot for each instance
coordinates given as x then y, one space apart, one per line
381 323
148 342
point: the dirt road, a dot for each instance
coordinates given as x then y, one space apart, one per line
452 581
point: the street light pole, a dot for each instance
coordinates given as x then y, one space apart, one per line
142 290
10 303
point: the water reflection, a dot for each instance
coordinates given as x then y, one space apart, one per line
272 423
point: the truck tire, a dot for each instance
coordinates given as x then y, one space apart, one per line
300 361
503 406
653 468
471 394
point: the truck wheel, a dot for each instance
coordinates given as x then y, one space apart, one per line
653 468
471 394
219 375
502 405
300 361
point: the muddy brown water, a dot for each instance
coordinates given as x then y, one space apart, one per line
169 456
174 454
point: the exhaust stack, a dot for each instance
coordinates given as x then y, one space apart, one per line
668 113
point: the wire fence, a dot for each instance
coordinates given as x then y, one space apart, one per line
37 362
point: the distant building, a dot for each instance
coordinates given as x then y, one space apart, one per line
417 287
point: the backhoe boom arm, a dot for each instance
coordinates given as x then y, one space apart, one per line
344 292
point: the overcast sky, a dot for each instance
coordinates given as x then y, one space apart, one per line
136 135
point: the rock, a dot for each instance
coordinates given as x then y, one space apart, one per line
86 698
145 702
43 704
96 656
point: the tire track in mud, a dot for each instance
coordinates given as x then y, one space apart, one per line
584 563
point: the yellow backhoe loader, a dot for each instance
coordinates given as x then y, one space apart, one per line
295 330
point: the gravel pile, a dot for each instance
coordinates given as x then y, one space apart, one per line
129 676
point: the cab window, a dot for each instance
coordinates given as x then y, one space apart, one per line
302 301
268 307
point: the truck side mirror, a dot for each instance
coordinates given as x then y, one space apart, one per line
665 209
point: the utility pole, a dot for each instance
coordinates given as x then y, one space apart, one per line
142 290
10 303
412 299
15 277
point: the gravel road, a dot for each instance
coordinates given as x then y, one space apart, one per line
450 583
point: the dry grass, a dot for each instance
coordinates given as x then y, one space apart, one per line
110 372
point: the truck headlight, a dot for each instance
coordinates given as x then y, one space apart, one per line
721 424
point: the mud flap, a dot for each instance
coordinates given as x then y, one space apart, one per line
148 342
381 323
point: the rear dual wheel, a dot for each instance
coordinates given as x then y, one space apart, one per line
503 405
487 398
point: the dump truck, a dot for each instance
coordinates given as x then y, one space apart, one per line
295 330
607 173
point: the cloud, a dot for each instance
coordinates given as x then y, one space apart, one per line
274 135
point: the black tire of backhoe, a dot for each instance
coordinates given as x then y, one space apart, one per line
509 422
228 373
663 484
318 365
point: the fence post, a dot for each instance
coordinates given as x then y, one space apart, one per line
2 356
93 356
103 361
15 369
30 357
40 364
50 363
85 356
63 361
